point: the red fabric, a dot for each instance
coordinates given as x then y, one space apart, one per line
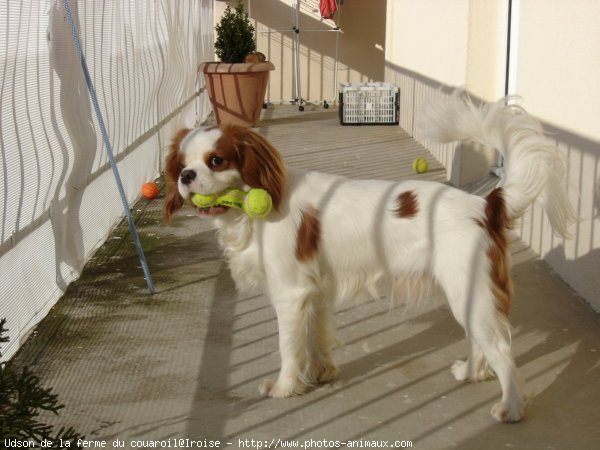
328 8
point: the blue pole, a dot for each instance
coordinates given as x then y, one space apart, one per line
109 150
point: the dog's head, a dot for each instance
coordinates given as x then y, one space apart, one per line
210 160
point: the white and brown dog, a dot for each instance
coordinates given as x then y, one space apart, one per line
330 238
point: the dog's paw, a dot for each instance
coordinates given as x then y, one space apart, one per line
462 372
509 413
322 371
327 372
281 389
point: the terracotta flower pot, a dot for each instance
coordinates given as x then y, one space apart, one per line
237 91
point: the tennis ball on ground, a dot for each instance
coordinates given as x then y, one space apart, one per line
420 165
150 190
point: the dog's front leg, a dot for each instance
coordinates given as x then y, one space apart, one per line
293 315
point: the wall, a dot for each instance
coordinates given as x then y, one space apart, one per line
485 78
557 74
486 48
426 50
460 43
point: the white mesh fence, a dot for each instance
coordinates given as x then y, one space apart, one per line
58 195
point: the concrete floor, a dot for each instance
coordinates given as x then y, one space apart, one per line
186 361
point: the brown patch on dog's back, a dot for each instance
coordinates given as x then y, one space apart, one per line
407 206
309 235
496 223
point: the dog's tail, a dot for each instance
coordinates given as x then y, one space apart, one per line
534 169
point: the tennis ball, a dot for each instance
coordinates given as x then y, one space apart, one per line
420 165
150 190
258 203
204 200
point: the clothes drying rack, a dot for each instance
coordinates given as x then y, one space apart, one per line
296 30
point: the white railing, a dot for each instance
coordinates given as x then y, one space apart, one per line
58 196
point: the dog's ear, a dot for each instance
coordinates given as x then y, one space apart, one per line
261 165
173 167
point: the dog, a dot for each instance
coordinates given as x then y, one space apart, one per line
329 238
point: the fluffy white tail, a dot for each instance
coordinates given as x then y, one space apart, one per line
534 169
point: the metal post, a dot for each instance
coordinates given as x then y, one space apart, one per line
108 146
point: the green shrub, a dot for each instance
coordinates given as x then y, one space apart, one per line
21 399
235 35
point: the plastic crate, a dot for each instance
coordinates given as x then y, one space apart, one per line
369 104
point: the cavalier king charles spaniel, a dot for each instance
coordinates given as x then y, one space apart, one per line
330 238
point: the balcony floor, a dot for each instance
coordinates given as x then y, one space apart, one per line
186 361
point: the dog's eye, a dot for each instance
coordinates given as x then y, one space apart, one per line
216 161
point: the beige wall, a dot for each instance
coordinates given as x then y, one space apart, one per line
559 63
426 49
435 43
485 77
455 43
361 46
486 48
429 37
558 68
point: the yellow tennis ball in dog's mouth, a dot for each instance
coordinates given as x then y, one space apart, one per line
204 200
420 165
258 203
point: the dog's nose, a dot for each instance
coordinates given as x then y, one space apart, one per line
187 176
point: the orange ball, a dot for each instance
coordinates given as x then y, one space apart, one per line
150 190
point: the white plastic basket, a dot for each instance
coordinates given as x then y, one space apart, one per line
369 104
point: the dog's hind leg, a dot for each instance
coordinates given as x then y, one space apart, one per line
473 299
489 333
492 339
475 368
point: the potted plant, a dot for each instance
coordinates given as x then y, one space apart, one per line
237 85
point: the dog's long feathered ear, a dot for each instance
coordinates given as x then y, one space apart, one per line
173 167
261 165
